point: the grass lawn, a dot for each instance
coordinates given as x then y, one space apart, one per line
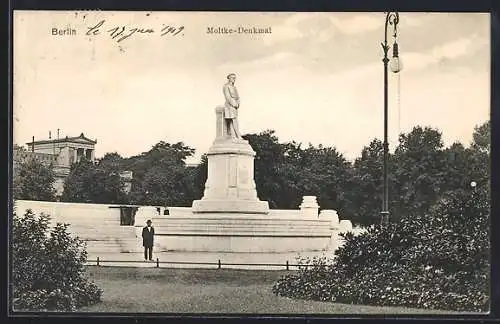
152 290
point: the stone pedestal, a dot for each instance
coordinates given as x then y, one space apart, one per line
230 185
332 216
309 206
345 225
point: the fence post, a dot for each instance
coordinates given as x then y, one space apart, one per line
157 262
287 268
97 261
219 264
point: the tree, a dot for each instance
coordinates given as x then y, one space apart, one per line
32 180
326 174
112 161
94 183
48 267
481 138
435 252
285 172
268 159
479 166
438 260
456 176
367 194
166 186
198 177
419 171
160 176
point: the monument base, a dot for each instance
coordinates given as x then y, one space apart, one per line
231 206
276 232
241 244
230 186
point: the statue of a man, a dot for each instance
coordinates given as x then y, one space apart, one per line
231 106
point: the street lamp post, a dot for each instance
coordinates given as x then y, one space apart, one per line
392 18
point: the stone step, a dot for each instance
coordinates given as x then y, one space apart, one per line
246 233
240 228
93 227
122 244
243 223
281 224
103 243
108 240
257 219
113 227
94 223
109 234
94 244
243 230
89 238
106 227
116 247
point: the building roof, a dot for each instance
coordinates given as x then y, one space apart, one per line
79 139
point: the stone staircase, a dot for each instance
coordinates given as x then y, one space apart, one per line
97 225
107 239
241 226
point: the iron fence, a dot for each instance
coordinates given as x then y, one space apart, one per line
157 263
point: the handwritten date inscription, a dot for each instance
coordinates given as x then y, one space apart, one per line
121 33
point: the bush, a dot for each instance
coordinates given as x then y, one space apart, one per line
436 261
48 267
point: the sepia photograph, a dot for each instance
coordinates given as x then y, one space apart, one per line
333 163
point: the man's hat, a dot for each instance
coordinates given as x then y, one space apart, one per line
231 74
148 221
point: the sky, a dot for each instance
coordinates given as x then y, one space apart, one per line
316 78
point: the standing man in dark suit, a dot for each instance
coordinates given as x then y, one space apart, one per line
148 233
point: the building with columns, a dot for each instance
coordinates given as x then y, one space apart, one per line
68 149
61 153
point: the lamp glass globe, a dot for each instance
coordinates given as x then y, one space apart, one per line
395 64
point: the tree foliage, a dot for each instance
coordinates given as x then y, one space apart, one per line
48 271
33 180
285 172
198 177
420 170
438 260
366 194
480 150
95 182
161 176
435 252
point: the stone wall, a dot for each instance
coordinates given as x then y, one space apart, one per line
301 230
96 224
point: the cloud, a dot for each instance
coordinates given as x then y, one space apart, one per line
412 20
323 26
289 30
357 24
453 49
276 61
317 78
450 51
